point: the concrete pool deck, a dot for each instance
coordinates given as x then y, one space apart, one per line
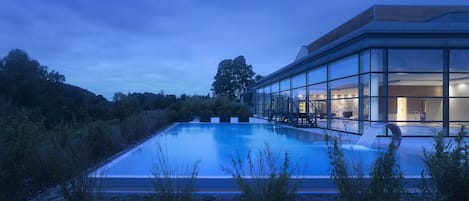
408 144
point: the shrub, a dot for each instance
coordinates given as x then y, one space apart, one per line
19 137
267 181
98 139
225 119
385 182
243 113
448 168
205 115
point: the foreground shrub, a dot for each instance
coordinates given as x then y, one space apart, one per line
448 168
79 189
19 174
265 180
384 183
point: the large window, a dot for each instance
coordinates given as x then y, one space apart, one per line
344 88
459 61
343 115
318 104
317 75
344 104
266 102
458 90
415 84
373 109
377 60
299 98
318 91
285 102
285 84
275 87
299 80
415 97
372 96
365 61
372 84
415 60
260 101
344 67
415 90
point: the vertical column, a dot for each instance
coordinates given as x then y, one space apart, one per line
328 99
385 87
360 95
307 96
446 91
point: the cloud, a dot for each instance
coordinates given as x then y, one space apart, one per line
108 46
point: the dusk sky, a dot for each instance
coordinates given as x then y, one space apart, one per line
171 45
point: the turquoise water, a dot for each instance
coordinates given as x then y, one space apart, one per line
214 145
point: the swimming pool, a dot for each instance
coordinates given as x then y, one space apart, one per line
214 145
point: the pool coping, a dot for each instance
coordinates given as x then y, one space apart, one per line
227 185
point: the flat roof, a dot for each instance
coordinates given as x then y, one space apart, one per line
383 21
385 13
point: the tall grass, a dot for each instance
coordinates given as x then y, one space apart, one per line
383 184
81 188
265 180
173 181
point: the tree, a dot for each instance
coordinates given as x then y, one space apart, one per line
258 77
233 78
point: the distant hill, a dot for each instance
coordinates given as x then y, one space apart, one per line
25 83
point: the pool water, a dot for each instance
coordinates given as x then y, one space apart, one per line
214 145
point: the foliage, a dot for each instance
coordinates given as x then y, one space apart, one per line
18 155
233 78
384 183
267 181
204 107
448 168
79 188
74 160
52 132
25 82
173 182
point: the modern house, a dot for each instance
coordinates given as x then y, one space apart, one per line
403 64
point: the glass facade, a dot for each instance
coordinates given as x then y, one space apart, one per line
458 89
402 86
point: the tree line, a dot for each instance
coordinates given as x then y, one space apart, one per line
51 131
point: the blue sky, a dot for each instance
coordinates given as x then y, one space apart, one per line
109 46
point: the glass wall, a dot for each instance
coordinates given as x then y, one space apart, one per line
415 60
260 101
317 96
343 68
267 100
402 86
343 93
317 75
458 90
299 93
318 104
344 104
415 90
